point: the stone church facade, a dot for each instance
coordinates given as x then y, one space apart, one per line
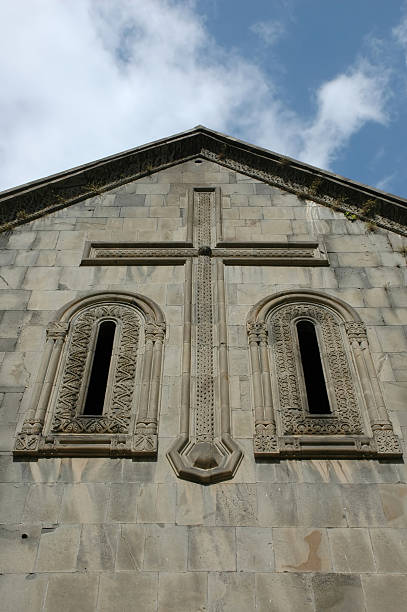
203 382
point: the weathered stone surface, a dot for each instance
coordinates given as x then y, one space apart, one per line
277 505
156 503
165 548
363 505
212 549
351 550
196 505
84 503
236 505
12 498
384 592
254 549
22 592
231 591
124 591
394 501
130 553
43 503
97 547
301 550
18 547
182 592
311 511
123 502
283 592
58 550
72 592
390 549
339 593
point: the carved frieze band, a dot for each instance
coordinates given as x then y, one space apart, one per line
242 162
266 167
142 253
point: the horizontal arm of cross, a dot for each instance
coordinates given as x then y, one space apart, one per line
141 253
271 254
232 253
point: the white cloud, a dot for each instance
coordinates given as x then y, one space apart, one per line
88 78
269 31
400 34
344 105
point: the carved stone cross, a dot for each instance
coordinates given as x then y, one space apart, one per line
205 450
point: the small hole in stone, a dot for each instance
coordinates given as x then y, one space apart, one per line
198 161
24 536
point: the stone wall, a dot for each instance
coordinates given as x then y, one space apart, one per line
109 534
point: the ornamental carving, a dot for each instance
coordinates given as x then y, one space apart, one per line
55 423
358 424
356 331
93 179
142 253
204 414
271 252
68 407
155 331
257 332
27 442
345 418
265 439
387 443
57 329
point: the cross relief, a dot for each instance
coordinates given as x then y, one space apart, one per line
205 450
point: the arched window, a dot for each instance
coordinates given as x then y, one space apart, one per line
314 386
100 367
312 370
98 352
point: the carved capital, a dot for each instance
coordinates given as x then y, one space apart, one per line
32 427
57 330
356 331
387 443
257 331
145 440
266 440
120 445
155 331
27 444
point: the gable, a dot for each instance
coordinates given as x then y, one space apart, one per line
21 204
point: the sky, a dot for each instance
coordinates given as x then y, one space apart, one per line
322 81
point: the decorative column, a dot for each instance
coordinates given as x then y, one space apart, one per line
145 436
28 440
265 438
387 443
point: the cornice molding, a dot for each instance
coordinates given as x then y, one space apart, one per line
30 201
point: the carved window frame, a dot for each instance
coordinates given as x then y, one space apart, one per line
359 425
55 424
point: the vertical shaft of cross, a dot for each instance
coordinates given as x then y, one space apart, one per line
204 404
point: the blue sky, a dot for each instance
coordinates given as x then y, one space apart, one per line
320 80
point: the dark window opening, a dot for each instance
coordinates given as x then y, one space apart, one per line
95 397
318 402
